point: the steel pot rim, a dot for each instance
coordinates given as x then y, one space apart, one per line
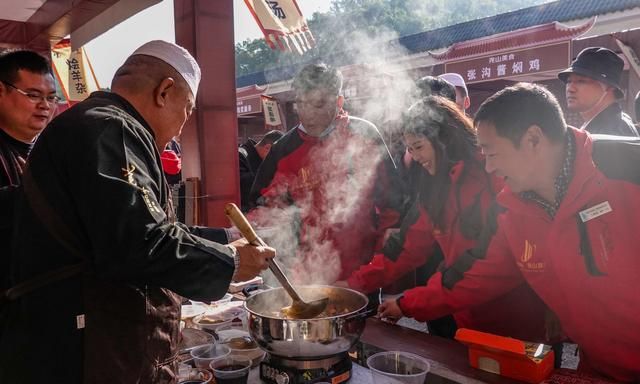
355 312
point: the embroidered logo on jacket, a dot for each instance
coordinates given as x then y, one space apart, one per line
307 180
127 173
529 249
527 261
149 200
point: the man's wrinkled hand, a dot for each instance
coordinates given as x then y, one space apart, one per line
251 259
390 310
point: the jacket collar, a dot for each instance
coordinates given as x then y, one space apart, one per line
561 182
611 113
339 124
125 105
21 147
252 155
474 171
456 171
584 173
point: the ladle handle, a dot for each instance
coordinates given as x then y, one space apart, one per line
284 281
240 221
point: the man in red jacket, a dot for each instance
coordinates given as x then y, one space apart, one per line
569 229
326 184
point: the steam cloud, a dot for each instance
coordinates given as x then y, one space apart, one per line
379 89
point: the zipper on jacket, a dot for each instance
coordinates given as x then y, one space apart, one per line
585 248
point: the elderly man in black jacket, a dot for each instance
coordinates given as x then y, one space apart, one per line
593 90
96 211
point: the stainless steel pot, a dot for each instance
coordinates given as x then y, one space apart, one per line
312 338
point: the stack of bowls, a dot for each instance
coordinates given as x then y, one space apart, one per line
240 343
204 354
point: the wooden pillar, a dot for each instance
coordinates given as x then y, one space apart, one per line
209 139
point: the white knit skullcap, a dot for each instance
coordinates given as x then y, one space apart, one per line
177 57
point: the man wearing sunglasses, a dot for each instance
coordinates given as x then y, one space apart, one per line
27 104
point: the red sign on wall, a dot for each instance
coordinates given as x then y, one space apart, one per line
249 105
529 61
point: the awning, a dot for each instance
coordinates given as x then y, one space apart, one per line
110 17
38 23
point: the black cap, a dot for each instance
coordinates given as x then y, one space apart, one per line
598 63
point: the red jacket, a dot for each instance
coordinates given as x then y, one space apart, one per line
518 313
337 192
586 272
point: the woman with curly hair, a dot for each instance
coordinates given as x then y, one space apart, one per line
455 209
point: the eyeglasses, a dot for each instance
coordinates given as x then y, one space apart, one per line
33 97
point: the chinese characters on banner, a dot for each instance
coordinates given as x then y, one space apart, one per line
73 71
282 23
510 64
271 112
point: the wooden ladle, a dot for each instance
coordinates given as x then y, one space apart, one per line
299 309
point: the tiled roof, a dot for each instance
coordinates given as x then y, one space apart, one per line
249 91
526 37
561 10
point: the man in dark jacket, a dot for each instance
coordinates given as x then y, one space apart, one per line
593 90
96 199
27 103
250 155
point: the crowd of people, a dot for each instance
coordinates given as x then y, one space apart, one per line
526 225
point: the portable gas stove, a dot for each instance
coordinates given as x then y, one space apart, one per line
281 370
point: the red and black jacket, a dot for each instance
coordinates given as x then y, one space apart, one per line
469 208
338 191
584 267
